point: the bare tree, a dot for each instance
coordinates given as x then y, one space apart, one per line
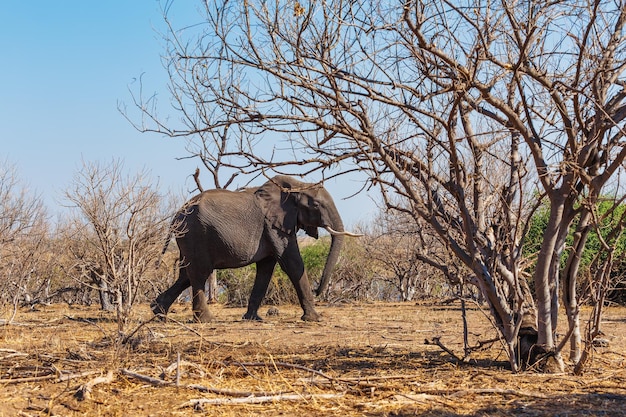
428 99
21 210
23 238
609 228
410 259
120 222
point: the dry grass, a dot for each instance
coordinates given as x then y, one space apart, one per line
363 360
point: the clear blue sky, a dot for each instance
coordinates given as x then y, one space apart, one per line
65 67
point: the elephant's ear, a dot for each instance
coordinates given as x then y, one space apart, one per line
278 205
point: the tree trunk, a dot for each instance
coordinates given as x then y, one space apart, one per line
569 286
97 276
211 290
506 315
545 279
105 296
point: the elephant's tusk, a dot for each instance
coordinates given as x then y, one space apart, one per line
336 233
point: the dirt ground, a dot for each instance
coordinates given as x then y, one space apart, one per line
362 360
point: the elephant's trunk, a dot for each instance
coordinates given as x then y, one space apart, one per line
337 237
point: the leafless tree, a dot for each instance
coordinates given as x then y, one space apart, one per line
120 223
21 209
410 259
609 228
23 237
468 112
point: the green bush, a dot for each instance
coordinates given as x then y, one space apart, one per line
314 257
537 228
236 284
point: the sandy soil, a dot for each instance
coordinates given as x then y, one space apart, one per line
362 360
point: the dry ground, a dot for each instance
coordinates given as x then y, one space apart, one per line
363 360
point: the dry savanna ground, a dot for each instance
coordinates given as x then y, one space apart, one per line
362 360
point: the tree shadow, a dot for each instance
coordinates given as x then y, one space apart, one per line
349 360
614 319
559 405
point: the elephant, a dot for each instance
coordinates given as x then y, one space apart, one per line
221 229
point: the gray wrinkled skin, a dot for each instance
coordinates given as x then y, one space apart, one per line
221 229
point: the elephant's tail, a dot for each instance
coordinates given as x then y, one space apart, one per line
177 228
165 245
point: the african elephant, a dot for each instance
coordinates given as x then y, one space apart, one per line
220 229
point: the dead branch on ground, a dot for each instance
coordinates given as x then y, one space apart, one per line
258 400
84 391
131 334
480 345
161 383
58 378
437 341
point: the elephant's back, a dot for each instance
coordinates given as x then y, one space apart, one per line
228 222
228 207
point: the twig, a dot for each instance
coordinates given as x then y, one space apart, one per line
93 323
481 343
178 369
468 349
258 400
150 380
45 410
362 382
479 391
69 377
356 387
178 364
84 391
61 378
614 353
12 353
6 322
161 383
27 379
4 350
286 365
500 391
366 381
420 398
127 338
281 365
377 378
397 339
196 178
183 326
437 341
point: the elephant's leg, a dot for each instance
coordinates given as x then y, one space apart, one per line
264 270
163 302
201 312
292 264
198 275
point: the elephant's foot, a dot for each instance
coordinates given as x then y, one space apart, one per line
311 316
201 313
203 316
158 309
252 316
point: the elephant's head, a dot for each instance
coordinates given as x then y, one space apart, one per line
289 205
